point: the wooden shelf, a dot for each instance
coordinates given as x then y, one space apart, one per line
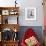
11 41
4 13
5 8
10 26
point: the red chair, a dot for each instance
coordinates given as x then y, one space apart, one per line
29 33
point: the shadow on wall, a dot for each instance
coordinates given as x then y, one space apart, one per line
37 29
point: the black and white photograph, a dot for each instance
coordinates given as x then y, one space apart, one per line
30 13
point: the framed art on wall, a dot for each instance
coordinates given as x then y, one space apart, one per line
30 13
5 12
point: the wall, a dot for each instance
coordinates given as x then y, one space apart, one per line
24 4
39 12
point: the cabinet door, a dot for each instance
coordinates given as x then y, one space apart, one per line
0 19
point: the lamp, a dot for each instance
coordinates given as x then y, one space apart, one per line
15 3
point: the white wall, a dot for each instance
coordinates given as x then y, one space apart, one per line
27 3
6 3
39 12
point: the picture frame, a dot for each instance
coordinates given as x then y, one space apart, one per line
30 13
5 12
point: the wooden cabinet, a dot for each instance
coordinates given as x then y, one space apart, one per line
9 25
10 43
6 12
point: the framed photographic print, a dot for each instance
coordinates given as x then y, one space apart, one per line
5 12
30 13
